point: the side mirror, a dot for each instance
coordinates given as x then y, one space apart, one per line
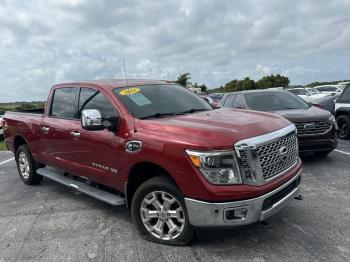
91 120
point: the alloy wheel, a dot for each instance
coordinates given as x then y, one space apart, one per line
162 215
24 166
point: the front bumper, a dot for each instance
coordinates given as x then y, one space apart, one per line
244 212
317 143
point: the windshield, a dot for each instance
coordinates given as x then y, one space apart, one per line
152 101
313 91
271 101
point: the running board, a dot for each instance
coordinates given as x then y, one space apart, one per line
102 195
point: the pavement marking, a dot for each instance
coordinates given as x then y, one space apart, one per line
6 161
343 152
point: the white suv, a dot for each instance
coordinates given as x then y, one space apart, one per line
308 94
329 89
342 113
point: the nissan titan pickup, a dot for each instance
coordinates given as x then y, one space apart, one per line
160 150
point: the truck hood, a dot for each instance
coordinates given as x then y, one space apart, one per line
304 115
218 128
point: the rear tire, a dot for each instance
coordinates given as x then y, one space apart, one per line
159 212
27 166
343 122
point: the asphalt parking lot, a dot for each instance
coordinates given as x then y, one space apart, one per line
50 222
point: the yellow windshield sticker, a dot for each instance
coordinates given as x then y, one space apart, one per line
129 91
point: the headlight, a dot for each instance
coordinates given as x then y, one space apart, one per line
218 167
333 121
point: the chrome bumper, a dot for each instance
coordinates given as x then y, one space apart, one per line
206 214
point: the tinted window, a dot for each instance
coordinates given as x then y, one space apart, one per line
269 101
93 99
63 103
345 96
239 102
229 101
327 88
299 91
158 100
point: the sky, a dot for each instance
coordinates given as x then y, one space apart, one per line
47 42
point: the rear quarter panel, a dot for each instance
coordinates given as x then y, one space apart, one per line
26 126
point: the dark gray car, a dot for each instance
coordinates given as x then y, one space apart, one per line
317 129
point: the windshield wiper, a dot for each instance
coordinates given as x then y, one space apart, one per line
157 115
192 110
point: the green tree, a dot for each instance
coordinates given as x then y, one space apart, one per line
203 88
273 81
184 79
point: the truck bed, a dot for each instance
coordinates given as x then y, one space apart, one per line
37 111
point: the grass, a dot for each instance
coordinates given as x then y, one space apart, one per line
2 146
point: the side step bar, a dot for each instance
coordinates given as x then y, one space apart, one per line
102 195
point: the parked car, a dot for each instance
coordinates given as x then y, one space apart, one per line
1 127
342 85
162 151
216 97
342 113
207 98
329 89
326 103
308 94
317 129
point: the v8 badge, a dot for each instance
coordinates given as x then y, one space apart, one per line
133 146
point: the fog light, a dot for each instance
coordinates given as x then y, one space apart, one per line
239 213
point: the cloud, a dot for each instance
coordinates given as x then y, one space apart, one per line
45 42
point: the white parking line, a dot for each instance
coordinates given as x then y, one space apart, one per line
6 161
343 152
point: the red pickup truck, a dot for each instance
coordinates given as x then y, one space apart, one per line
162 151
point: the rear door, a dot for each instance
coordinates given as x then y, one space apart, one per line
57 126
96 152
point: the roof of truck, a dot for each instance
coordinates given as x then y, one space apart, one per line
113 83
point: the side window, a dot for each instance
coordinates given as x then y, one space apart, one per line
239 102
327 88
345 96
63 102
229 101
92 99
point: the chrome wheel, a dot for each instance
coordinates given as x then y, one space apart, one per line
162 215
24 166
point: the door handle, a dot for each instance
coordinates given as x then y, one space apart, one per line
45 129
75 134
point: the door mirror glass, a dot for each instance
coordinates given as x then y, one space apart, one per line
91 120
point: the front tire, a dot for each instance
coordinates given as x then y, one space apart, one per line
343 122
27 166
159 213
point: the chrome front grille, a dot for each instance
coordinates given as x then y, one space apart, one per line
265 157
271 161
313 128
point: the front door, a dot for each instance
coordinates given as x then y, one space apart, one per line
96 152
